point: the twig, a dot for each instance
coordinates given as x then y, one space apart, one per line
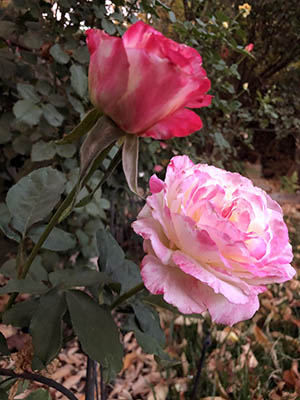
206 343
39 378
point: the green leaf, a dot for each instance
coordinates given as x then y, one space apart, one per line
96 330
59 55
69 278
82 55
82 129
111 255
108 26
5 134
34 196
128 275
46 326
21 313
150 345
37 271
5 223
4 213
52 116
28 92
149 321
33 39
43 151
22 145
43 87
79 80
8 268
221 141
7 28
27 285
130 159
3 346
26 111
9 232
39 394
58 240
77 105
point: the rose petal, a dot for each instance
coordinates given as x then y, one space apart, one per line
179 289
181 123
218 282
223 311
150 230
108 69
156 185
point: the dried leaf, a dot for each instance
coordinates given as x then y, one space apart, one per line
161 391
261 338
130 158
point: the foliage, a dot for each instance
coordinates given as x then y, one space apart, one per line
255 94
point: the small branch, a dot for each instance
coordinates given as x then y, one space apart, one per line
206 343
127 295
41 379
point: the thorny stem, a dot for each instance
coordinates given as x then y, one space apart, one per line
39 378
127 295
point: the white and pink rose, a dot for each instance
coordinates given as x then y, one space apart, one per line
213 241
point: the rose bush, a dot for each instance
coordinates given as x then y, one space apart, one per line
213 240
144 82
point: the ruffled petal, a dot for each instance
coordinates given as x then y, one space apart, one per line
150 230
231 287
223 311
181 123
179 289
190 296
141 35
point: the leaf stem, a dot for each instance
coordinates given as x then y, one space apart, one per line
127 295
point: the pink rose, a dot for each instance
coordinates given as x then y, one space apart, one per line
213 240
249 47
158 168
145 81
